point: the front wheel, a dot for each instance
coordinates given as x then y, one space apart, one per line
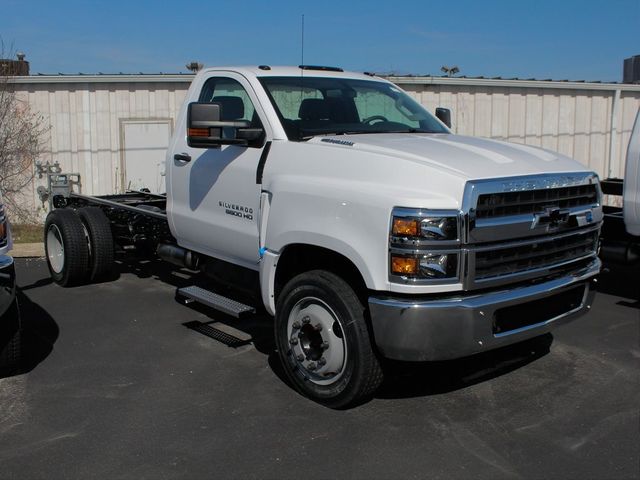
323 340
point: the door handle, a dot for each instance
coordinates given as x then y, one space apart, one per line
182 157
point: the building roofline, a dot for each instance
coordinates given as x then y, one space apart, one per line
105 78
499 82
400 80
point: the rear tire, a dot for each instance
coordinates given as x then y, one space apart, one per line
324 342
66 248
101 254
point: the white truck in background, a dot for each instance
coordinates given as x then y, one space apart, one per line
339 205
621 228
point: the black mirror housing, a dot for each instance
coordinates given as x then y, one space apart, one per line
444 115
206 130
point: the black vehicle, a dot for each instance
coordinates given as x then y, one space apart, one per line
10 328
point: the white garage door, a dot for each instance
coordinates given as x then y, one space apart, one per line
145 146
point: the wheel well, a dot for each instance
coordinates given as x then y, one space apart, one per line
299 258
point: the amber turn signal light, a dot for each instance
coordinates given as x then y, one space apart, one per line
405 226
198 132
404 265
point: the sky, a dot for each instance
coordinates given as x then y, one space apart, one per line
561 39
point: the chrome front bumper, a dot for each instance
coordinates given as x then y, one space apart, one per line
7 283
419 329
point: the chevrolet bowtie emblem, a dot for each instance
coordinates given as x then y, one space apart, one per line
551 219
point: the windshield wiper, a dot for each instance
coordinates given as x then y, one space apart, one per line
363 132
337 132
408 130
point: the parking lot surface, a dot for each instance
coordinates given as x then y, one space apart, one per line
120 382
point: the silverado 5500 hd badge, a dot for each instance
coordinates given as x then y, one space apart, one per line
237 210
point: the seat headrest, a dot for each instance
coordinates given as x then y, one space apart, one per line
314 109
232 107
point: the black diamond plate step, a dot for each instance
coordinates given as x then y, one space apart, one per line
216 301
219 335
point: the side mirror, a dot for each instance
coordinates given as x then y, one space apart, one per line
444 115
206 130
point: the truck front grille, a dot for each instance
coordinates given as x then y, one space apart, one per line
502 204
528 227
542 252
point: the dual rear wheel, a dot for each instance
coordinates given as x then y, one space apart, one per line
78 246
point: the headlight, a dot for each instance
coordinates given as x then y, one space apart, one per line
430 265
425 225
425 245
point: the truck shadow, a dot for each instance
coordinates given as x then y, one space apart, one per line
258 328
39 334
621 281
149 266
404 379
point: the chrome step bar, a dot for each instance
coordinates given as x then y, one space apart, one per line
215 301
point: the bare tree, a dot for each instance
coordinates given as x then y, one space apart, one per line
21 133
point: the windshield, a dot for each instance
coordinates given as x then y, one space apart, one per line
309 106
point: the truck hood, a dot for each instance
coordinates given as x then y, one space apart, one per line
462 156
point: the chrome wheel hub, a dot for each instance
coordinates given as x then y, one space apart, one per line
317 341
55 249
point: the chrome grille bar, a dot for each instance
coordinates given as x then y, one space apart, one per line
529 227
491 205
549 251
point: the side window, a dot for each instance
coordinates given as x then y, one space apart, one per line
233 99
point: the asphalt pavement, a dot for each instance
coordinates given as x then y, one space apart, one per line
122 381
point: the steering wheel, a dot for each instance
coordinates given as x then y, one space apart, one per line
375 117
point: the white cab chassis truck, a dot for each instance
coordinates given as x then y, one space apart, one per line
621 227
355 218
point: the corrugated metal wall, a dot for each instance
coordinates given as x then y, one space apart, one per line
87 116
86 133
577 123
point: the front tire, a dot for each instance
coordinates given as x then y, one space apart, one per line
66 248
324 342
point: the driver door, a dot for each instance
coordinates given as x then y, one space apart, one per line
215 199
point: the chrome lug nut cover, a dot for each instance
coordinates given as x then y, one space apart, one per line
317 341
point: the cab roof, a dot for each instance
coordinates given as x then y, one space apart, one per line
290 71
